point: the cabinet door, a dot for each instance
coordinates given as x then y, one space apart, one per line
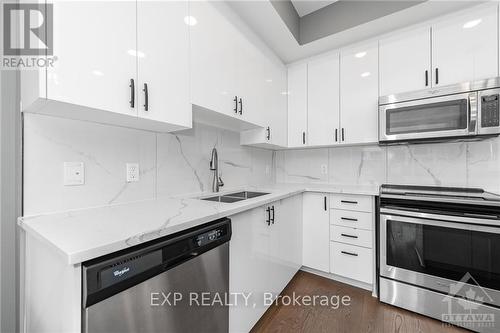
163 39
316 232
95 45
213 58
297 105
359 94
464 48
404 61
290 224
323 100
248 267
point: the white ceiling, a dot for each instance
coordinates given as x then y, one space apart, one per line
304 7
264 21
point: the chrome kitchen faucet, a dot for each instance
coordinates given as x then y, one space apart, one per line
214 166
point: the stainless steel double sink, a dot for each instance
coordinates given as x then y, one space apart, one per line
235 196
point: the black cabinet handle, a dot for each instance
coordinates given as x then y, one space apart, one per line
146 97
235 100
304 138
336 135
349 219
349 253
437 75
350 236
268 136
343 134
426 78
132 93
272 219
325 204
268 221
349 202
241 105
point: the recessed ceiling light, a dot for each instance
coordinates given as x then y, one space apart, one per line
472 24
269 80
360 54
365 74
190 20
97 72
284 92
136 53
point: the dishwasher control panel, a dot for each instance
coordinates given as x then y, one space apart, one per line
210 236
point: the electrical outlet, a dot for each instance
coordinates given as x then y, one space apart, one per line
324 169
132 172
74 173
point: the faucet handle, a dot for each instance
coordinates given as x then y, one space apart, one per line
221 183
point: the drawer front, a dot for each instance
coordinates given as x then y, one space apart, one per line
347 218
352 262
362 203
358 237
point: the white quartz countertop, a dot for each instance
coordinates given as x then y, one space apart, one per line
81 235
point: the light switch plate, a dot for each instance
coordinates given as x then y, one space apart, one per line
74 173
132 172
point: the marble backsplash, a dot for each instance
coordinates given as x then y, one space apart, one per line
170 164
462 164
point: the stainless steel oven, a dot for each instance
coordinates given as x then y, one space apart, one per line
456 111
439 253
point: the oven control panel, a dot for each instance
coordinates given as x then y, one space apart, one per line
490 111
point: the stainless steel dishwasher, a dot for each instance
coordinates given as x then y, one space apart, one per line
158 286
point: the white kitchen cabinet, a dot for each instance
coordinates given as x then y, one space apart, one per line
353 262
273 112
465 47
163 83
316 231
101 68
323 100
264 256
213 59
359 94
405 61
297 105
96 59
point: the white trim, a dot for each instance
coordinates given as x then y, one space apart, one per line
338 278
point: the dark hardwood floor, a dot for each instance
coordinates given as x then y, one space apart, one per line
364 314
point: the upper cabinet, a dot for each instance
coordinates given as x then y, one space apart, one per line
465 47
116 70
359 94
461 48
297 105
323 100
405 62
163 79
96 65
228 72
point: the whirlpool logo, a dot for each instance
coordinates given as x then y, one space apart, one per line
120 272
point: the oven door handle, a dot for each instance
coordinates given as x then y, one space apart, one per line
438 223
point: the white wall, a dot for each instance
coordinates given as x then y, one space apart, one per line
462 164
170 164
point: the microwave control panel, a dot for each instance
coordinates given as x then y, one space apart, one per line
490 111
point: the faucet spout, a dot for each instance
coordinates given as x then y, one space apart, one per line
214 166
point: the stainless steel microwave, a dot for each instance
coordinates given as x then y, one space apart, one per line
451 112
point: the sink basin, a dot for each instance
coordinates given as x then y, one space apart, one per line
234 197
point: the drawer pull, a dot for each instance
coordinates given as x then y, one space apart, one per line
349 202
349 253
349 219
350 236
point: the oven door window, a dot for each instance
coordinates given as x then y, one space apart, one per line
444 252
433 117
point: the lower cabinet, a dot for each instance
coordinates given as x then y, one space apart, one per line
265 253
316 231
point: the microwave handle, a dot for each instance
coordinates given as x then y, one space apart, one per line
473 113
